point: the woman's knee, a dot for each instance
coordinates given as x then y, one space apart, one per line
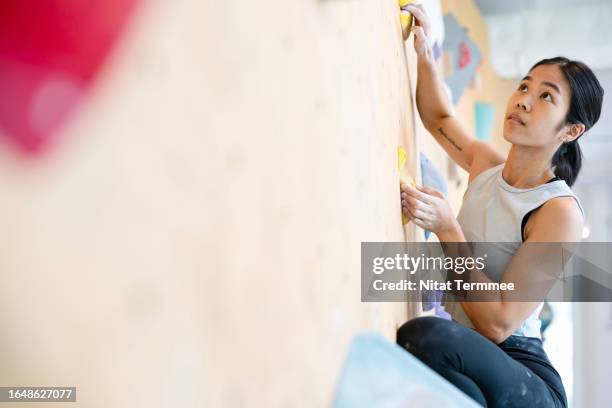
429 331
433 340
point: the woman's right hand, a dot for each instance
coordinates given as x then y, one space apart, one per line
421 29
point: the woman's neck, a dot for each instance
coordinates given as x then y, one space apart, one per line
527 167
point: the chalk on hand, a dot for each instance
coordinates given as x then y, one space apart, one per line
410 181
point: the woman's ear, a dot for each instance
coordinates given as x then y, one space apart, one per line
572 132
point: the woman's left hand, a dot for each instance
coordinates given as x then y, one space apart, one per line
428 208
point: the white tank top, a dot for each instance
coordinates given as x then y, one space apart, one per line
493 211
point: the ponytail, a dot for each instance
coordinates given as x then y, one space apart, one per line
567 161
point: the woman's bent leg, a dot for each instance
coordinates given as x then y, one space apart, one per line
474 364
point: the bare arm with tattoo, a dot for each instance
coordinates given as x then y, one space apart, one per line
435 109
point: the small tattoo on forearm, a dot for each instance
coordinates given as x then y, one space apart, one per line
450 140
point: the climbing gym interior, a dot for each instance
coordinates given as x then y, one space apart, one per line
186 189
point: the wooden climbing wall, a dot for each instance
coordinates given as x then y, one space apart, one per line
193 239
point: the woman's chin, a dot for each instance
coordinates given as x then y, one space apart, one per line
510 135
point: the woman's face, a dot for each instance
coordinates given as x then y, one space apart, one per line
536 111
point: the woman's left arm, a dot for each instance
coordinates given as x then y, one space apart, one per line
559 220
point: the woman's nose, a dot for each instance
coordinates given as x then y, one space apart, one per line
523 105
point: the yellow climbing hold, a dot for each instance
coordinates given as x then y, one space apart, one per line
406 22
401 158
406 179
410 181
405 18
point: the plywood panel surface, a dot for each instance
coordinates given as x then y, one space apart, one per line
194 239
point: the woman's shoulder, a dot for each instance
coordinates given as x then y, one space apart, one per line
560 218
485 158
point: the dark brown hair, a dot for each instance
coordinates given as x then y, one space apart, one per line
585 107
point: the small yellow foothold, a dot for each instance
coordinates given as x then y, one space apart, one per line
401 158
403 3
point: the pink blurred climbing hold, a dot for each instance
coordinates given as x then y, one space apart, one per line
465 55
50 52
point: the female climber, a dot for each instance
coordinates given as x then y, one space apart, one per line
492 350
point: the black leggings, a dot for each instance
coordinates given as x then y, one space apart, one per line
514 373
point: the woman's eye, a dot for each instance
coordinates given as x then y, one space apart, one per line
547 97
522 87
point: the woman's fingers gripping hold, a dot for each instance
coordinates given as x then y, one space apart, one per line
419 13
431 191
419 195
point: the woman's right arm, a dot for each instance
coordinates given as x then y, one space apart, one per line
435 109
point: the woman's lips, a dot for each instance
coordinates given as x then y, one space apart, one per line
516 119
